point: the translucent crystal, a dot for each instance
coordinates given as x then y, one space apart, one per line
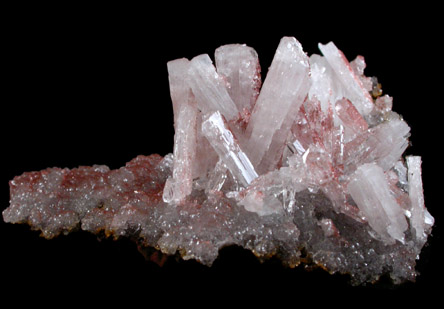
286 86
350 117
353 87
358 65
383 144
384 103
307 168
239 65
369 189
180 184
325 87
226 146
209 88
421 220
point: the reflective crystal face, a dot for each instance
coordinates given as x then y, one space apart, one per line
309 160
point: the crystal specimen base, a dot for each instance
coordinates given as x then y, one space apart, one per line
306 167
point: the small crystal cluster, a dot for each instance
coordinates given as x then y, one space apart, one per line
306 166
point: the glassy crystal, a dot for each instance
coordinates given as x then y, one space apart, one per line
180 184
369 189
324 86
308 167
285 89
226 146
239 65
421 220
354 89
209 88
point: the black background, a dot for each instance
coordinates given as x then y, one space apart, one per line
88 85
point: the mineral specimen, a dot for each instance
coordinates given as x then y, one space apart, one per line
307 167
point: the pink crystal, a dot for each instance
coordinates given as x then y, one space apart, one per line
354 89
307 167
284 90
239 65
350 117
210 89
369 189
421 220
384 103
180 184
228 149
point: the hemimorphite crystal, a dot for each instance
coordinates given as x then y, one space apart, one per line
421 221
210 89
180 184
353 88
308 164
284 90
239 65
226 146
369 189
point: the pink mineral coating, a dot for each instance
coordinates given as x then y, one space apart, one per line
350 116
79 195
323 158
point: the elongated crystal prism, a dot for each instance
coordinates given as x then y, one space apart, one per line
353 87
324 86
180 184
209 88
383 144
225 144
284 90
369 189
239 65
421 220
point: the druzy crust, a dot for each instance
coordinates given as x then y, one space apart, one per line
307 167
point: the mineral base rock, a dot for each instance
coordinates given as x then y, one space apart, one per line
325 184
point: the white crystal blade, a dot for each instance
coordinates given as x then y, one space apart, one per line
351 119
179 185
209 88
358 65
420 219
224 143
353 87
206 157
239 65
284 90
271 192
383 144
325 87
370 191
216 177
179 88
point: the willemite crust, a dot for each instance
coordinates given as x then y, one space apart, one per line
309 161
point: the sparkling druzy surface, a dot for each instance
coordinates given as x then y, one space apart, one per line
307 166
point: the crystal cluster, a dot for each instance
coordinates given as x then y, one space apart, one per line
307 166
